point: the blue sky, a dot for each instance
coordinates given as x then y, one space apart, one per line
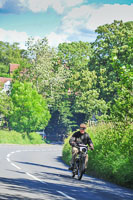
59 20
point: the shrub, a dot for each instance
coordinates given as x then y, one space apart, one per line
13 137
66 153
35 138
112 158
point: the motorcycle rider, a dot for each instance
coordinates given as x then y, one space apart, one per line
80 137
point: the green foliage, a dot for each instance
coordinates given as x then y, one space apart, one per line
67 151
112 158
113 154
4 70
75 55
11 53
42 72
113 45
10 137
35 138
111 64
84 95
49 77
79 80
5 107
29 109
121 110
13 137
5 103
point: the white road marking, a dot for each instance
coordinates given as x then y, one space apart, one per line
28 150
20 168
15 166
8 155
8 160
37 179
65 195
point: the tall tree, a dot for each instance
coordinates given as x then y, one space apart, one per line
111 43
122 109
45 71
11 53
29 109
75 55
48 75
84 96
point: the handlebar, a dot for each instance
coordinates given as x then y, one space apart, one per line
77 145
82 145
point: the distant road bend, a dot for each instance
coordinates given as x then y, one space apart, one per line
36 172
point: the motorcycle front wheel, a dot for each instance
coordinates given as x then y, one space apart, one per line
80 170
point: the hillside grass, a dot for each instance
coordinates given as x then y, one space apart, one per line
13 137
112 158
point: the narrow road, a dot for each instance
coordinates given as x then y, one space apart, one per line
37 172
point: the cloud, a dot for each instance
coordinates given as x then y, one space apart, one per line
72 3
38 5
90 16
57 5
55 39
16 6
11 6
76 19
108 13
12 36
1 3
76 24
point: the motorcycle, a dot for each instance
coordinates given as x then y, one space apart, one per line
79 165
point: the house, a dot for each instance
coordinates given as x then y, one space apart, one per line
13 67
5 82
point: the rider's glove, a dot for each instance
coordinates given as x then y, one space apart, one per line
91 146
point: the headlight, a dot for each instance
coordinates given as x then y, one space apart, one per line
84 150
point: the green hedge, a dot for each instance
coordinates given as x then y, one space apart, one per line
13 137
112 158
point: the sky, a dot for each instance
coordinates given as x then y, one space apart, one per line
59 20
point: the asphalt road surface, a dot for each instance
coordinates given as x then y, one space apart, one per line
37 172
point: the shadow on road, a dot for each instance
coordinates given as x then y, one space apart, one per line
61 175
59 179
24 187
40 165
27 188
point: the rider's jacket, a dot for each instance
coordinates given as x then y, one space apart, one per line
77 137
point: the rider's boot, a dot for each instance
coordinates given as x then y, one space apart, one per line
84 170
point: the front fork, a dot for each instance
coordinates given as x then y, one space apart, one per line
79 163
76 165
82 163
